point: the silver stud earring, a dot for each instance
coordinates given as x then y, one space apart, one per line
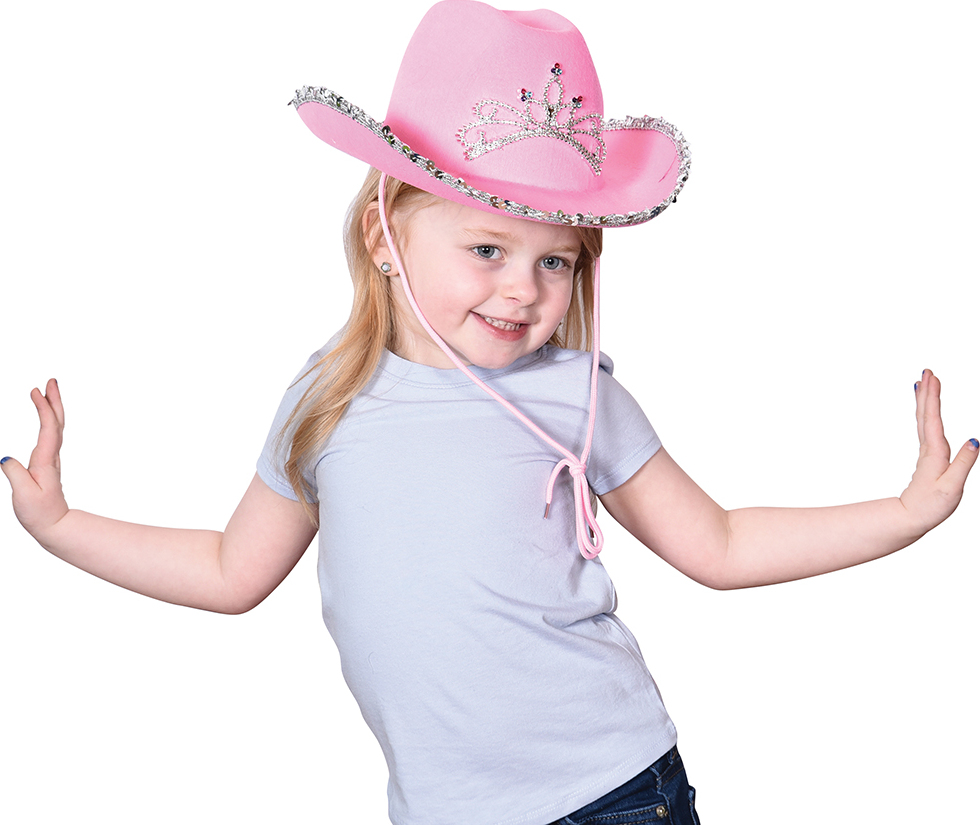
386 267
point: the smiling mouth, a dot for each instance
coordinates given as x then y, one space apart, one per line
496 322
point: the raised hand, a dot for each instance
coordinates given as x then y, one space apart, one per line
937 484
38 499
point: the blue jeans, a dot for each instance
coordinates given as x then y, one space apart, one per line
659 795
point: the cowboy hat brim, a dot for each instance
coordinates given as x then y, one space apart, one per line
648 161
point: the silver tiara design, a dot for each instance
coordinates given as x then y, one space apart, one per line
499 124
332 100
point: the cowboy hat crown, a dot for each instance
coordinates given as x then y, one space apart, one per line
502 110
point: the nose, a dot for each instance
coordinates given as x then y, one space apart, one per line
519 284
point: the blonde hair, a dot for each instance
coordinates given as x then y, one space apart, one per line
344 371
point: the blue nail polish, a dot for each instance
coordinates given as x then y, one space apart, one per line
915 386
973 441
5 459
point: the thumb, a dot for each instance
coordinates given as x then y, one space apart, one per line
16 473
961 465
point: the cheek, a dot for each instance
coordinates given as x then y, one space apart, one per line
459 292
445 299
561 297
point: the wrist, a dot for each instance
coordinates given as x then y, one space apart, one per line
54 534
910 521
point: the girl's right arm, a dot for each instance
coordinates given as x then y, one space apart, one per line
228 572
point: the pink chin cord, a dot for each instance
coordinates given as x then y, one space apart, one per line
586 528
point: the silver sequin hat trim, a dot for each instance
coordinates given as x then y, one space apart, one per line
333 101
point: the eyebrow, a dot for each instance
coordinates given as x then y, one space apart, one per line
481 233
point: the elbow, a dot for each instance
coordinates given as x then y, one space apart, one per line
716 568
715 579
224 607
240 606
233 609
236 603
720 572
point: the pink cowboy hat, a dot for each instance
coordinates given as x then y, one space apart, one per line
502 110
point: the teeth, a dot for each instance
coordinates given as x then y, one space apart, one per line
499 324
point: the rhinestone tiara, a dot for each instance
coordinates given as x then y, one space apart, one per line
330 99
548 116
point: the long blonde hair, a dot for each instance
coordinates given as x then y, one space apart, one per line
344 371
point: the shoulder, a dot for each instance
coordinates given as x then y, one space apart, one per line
307 375
569 368
296 390
571 360
563 377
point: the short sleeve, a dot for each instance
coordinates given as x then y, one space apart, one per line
624 438
272 461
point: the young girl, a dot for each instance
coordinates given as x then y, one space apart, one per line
425 564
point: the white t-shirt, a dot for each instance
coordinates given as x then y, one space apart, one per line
481 647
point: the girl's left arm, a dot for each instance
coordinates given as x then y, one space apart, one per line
671 515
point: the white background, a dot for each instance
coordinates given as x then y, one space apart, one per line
170 251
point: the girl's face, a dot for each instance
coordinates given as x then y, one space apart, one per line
494 287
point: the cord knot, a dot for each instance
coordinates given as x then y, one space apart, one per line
587 530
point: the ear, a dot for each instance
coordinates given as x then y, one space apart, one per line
374 238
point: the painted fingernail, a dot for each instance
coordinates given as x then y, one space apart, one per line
973 441
916 386
5 459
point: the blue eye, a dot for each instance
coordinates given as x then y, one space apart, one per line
552 263
488 252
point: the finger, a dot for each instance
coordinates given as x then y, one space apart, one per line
53 393
16 474
932 420
49 438
954 478
920 406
